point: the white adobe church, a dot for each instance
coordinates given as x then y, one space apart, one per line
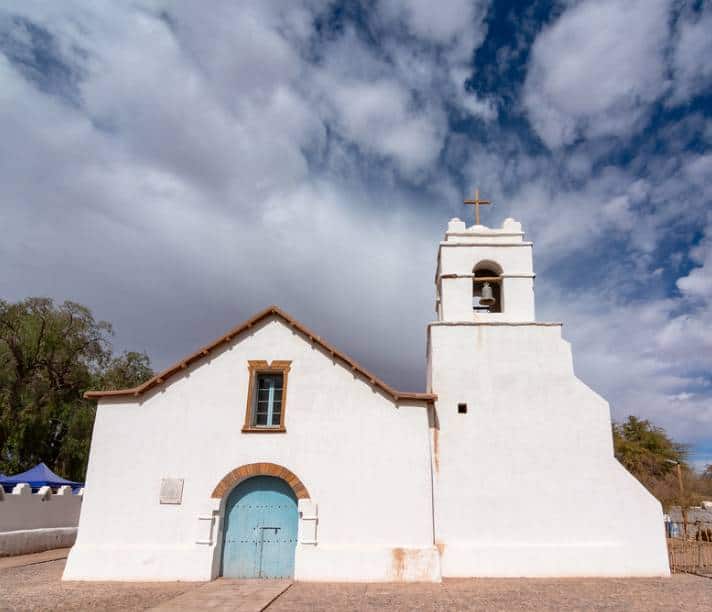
269 453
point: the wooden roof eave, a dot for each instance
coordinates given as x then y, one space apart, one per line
205 351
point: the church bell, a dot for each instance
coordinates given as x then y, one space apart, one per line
487 299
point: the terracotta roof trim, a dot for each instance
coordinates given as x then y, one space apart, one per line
204 351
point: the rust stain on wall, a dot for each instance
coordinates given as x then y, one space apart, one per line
436 449
410 564
399 555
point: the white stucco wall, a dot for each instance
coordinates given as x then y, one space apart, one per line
23 510
526 483
364 460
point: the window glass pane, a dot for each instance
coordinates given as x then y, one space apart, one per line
265 381
268 400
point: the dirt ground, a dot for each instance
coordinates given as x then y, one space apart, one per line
681 592
38 587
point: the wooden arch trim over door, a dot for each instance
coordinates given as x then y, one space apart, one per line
236 476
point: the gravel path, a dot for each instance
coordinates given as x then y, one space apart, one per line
31 559
681 592
39 587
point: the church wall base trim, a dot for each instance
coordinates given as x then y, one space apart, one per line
356 564
139 564
556 560
312 564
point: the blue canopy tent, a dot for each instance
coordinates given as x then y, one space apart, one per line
36 477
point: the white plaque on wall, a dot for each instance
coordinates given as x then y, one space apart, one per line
171 490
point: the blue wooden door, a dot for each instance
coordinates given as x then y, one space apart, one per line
260 530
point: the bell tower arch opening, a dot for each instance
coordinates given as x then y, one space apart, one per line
487 287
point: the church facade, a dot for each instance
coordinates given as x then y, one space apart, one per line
269 453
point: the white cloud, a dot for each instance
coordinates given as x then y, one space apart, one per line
378 117
698 283
596 68
454 24
441 24
682 397
437 56
699 169
569 220
390 100
691 66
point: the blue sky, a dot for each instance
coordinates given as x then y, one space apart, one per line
177 169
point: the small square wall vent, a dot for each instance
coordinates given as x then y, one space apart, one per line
462 408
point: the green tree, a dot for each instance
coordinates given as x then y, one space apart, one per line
126 371
49 355
653 458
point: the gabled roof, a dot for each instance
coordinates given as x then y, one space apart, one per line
272 311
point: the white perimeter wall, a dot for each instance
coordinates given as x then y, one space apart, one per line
364 460
22 509
526 481
40 521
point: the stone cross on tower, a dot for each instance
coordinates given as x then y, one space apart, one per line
477 203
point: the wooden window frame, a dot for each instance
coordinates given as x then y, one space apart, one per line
255 368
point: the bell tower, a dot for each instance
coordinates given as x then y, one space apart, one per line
485 274
525 482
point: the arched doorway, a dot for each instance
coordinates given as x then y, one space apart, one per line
260 529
